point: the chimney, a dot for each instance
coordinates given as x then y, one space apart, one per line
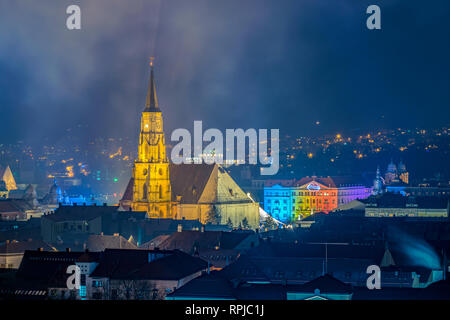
179 228
84 204
67 249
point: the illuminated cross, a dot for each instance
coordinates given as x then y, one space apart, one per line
151 61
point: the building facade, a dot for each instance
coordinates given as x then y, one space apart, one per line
309 195
396 174
396 205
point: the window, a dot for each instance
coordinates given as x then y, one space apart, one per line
82 291
144 191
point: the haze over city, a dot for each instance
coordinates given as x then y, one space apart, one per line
256 64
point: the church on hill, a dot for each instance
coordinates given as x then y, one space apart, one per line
7 181
202 192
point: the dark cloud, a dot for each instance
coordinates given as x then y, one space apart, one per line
259 63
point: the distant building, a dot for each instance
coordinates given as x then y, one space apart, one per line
325 287
396 205
423 189
46 271
74 221
113 274
7 177
74 226
218 248
14 209
3 190
100 242
396 174
24 204
11 253
312 194
141 274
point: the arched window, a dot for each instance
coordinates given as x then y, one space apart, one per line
144 192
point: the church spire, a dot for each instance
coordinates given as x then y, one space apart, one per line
151 104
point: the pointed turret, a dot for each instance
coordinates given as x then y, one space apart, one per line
377 183
151 104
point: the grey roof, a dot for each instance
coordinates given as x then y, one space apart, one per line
15 205
79 213
325 283
46 267
101 242
189 180
22 246
212 286
187 240
136 264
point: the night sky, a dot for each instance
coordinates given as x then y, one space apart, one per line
233 64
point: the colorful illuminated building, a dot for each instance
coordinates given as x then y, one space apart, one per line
311 194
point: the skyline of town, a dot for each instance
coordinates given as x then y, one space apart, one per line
224 150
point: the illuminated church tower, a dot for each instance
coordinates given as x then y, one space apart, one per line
151 186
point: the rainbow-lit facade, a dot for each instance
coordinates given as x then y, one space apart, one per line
311 194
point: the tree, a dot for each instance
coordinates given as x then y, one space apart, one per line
245 224
269 223
230 223
213 216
